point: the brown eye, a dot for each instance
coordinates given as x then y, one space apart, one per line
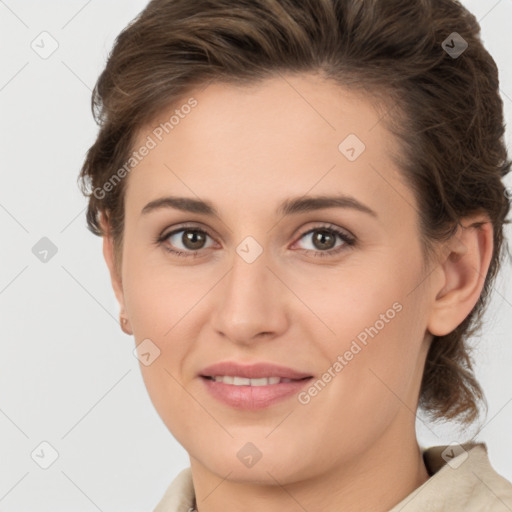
193 239
323 240
185 241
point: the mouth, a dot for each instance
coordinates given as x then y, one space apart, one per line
243 381
233 371
253 394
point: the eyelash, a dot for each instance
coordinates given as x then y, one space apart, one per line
348 240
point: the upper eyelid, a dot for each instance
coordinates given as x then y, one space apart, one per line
327 226
179 229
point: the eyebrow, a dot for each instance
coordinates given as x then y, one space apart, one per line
288 207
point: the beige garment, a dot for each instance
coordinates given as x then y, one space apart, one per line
461 481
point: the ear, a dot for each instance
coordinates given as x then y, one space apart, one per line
463 269
115 278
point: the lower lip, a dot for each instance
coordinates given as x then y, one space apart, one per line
253 397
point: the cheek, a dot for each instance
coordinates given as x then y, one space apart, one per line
156 295
160 304
173 403
358 299
375 331
373 379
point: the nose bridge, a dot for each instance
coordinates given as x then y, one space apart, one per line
250 295
249 274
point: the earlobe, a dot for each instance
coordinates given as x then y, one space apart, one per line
464 268
125 325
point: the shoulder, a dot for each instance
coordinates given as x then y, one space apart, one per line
467 467
179 496
462 480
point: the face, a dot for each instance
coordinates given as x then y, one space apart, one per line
333 289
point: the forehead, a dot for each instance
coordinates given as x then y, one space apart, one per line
284 136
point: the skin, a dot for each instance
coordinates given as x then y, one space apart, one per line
246 150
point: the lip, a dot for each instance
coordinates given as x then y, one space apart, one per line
252 371
253 397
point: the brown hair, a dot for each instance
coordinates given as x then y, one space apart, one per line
446 113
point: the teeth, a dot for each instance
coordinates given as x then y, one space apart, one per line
241 381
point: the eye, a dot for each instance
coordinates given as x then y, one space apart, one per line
323 239
191 239
187 241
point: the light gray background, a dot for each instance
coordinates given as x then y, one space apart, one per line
67 372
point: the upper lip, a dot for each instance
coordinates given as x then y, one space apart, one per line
252 371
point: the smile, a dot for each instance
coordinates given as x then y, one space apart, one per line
252 394
242 381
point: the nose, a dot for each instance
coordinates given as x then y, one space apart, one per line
250 302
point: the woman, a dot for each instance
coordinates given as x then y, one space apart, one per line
302 209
